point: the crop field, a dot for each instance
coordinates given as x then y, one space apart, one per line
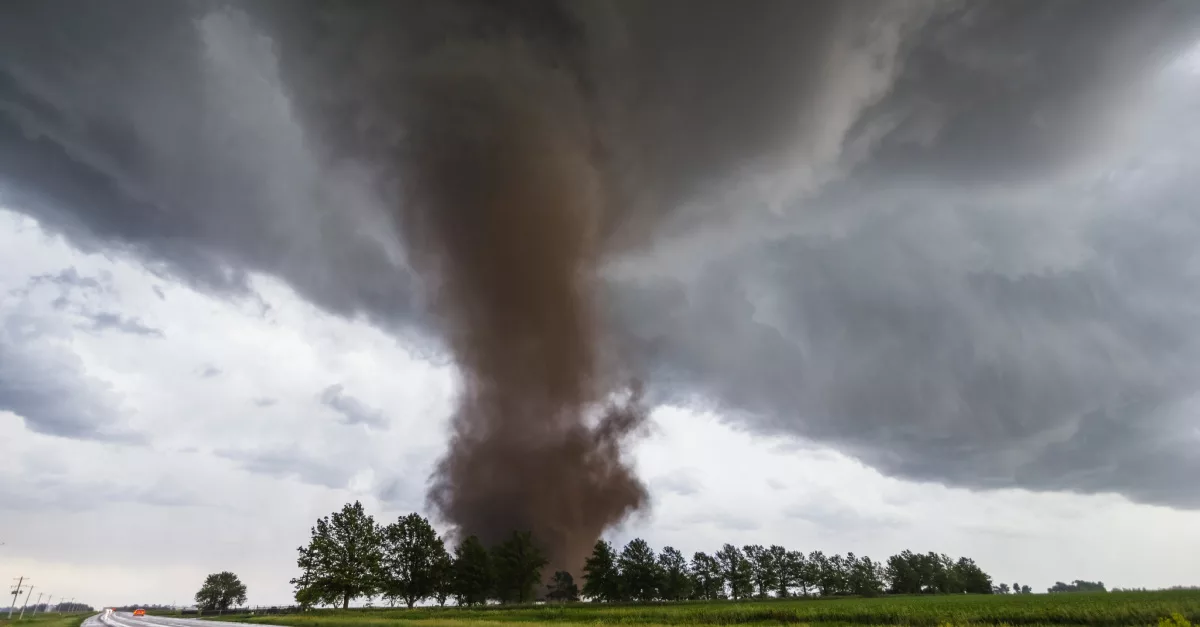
1114 608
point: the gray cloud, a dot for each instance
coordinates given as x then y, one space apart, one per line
352 410
45 384
264 401
289 464
680 483
110 321
933 299
209 371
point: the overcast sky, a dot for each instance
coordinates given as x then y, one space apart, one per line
931 330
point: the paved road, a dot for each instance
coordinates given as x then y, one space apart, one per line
127 619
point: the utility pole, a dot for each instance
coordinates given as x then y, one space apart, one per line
48 600
38 604
26 603
16 592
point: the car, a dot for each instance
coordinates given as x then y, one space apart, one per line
139 612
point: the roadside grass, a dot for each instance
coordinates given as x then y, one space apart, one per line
41 619
1106 609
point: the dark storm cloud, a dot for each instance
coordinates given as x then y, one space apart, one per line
935 304
110 321
352 410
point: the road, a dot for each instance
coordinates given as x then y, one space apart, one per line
127 619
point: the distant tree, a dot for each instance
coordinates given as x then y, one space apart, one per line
968 577
602 580
764 570
474 577
783 580
343 558
221 591
736 571
518 566
639 571
903 573
1078 585
708 582
1016 588
1001 589
443 574
825 573
676 583
793 573
562 588
865 577
1026 590
411 549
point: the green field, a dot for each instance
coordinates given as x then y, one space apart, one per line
72 619
1113 608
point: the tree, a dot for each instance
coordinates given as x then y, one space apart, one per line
602 580
1002 589
411 550
865 577
676 581
443 575
474 578
793 573
764 570
736 571
1078 585
562 588
970 578
220 591
639 571
518 566
342 560
708 581
826 573
1026 590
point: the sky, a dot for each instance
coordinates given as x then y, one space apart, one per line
926 320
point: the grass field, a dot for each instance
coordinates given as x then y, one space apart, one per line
1114 608
43 620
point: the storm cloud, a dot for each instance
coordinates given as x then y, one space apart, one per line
952 239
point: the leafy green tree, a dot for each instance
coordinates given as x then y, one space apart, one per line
825 573
676 582
736 571
562 588
793 573
602 580
443 574
342 561
221 591
518 565
764 568
474 578
639 571
865 577
708 582
1026 590
411 549
970 578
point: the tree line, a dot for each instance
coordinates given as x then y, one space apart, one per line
350 556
